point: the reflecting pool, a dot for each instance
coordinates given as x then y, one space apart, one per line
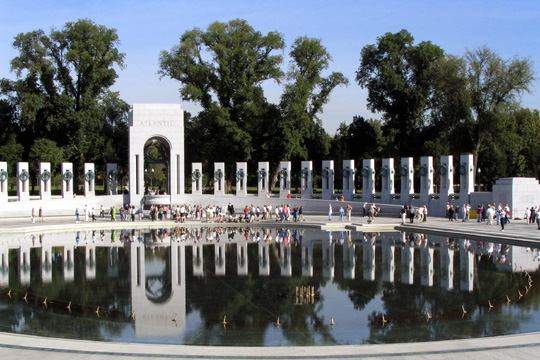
265 287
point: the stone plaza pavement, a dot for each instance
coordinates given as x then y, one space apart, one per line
14 346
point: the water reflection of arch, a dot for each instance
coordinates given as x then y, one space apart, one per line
151 317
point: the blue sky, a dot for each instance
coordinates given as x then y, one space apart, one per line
511 28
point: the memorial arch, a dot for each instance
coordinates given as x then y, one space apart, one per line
163 123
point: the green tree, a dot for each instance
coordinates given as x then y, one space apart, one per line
398 76
494 86
223 69
62 84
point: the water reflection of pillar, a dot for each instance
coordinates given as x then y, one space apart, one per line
178 265
466 264
24 264
264 259
388 262
328 257
368 257
349 260
90 261
220 258
112 263
46 263
307 258
426 260
241 258
285 259
69 266
4 265
407 263
198 259
447 266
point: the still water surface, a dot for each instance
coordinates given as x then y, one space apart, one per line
179 286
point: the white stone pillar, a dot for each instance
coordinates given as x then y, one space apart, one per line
348 179
4 185
284 179
262 179
89 179
219 178
306 177
241 179
111 179
196 178
327 174
23 183
67 180
387 176
407 179
45 180
446 173
426 179
466 177
368 179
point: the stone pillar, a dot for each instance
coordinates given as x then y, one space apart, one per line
407 179
4 265
69 263
262 179
67 180
4 185
89 179
242 258
327 174
466 177
368 179
387 176
446 172
24 263
45 181
90 261
23 183
348 180
306 176
46 263
241 179
284 178
196 178
426 179
219 178
111 179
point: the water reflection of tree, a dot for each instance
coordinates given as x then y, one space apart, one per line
254 302
110 293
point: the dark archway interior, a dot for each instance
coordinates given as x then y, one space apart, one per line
156 165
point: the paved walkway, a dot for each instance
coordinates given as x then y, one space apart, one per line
14 346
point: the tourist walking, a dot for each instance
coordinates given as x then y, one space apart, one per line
349 212
33 216
40 214
341 213
77 220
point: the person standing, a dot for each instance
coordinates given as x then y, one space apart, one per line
93 214
86 213
301 213
349 212
341 213
77 219
33 216
40 214
330 212
403 213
